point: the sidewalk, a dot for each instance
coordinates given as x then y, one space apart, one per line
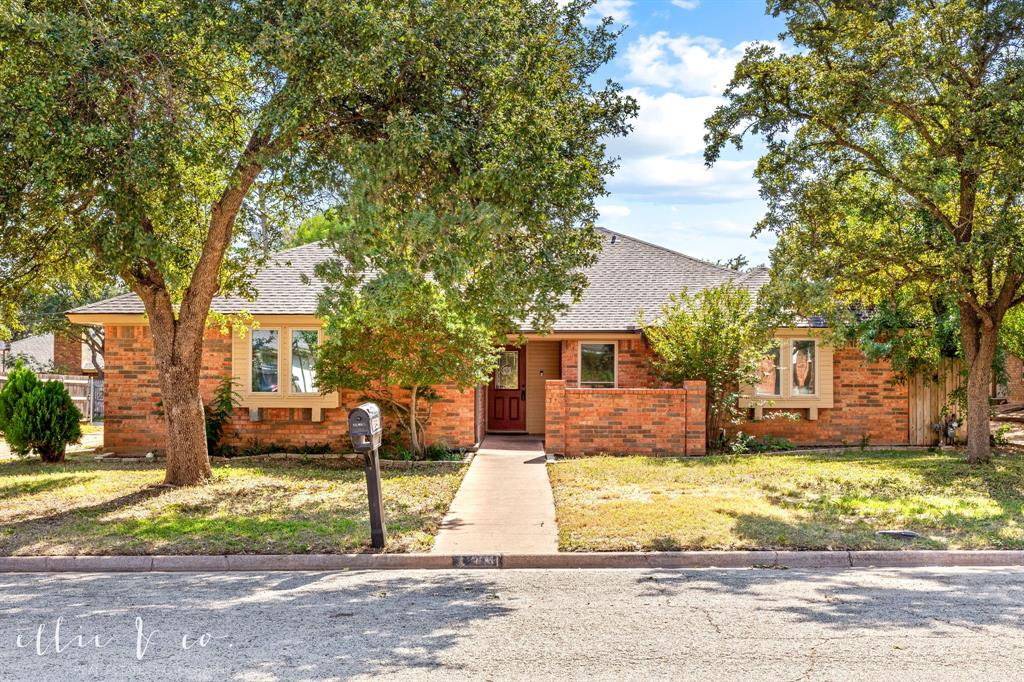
505 503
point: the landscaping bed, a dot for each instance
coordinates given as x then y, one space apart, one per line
268 507
794 501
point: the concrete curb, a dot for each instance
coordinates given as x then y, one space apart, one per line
561 560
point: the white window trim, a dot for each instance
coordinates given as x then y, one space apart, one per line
615 362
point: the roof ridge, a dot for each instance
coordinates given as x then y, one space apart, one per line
666 249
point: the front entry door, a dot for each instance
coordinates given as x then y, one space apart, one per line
506 409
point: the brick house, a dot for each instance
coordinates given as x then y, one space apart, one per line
585 386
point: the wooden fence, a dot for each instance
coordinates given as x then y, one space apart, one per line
928 395
80 388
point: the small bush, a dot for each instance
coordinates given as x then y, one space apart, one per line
37 416
20 382
743 444
218 414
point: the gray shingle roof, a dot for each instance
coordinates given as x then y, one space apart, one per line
279 286
629 275
632 275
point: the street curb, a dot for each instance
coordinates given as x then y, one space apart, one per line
563 560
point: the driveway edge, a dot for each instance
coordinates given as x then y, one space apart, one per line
562 560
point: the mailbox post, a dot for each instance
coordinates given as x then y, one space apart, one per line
364 428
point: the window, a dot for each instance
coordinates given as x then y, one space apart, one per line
506 377
770 373
304 343
264 361
803 373
597 365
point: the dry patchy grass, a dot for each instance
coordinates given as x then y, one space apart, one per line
89 507
804 501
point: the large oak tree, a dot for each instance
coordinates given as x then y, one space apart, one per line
142 132
893 162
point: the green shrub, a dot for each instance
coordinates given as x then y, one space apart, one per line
37 416
20 382
744 443
218 414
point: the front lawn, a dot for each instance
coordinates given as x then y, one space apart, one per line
804 501
89 507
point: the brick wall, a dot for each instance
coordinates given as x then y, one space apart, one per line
1015 384
866 402
650 421
67 354
134 422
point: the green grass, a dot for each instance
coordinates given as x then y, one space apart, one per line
804 501
89 507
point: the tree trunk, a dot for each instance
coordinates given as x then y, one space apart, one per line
413 432
178 349
979 341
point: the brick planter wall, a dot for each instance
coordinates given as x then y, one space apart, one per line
134 422
646 421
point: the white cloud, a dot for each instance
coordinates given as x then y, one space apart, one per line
668 178
686 4
666 124
613 210
695 65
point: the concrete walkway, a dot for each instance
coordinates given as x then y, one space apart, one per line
504 503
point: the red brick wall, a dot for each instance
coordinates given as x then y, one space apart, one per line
67 354
866 402
582 421
133 419
1015 384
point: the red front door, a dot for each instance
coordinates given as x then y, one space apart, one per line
506 408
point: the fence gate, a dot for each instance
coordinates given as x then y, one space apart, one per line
928 394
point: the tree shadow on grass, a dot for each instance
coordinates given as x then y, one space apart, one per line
50 483
266 625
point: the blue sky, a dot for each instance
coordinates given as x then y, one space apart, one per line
675 57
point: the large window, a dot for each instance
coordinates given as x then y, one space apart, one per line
770 373
803 368
264 360
597 365
304 343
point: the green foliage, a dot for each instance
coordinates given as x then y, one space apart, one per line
316 228
892 170
391 336
744 443
1012 332
21 381
716 336
218 414
37 416
465 139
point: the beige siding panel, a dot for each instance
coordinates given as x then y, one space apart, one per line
543 362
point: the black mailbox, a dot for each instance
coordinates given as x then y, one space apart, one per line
364 427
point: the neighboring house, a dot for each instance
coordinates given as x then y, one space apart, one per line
585 386
55 354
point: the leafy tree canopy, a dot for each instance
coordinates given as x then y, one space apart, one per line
716 335
892 164
144 132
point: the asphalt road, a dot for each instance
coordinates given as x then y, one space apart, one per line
955 624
